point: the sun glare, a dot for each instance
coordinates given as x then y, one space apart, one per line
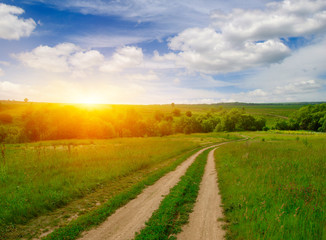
89 100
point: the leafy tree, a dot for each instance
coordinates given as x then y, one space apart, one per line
309 117
176 112
5 118
188 113
159 116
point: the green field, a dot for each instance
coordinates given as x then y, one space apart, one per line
37 178
273 186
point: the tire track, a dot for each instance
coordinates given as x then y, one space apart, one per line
131 218
203 221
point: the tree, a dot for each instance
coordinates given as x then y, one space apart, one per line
159 116
188 113
26 100
172 104
176 112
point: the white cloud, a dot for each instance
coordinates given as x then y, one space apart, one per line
85 60
257 93
303 86
68 57
64 57
300 90
245 39
5 63
13 27
125 57
9 87
289 18
1 72
9 90
305 64
207 51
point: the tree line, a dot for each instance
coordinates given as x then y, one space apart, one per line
310 117
71 122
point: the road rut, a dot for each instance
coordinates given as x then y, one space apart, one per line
203 221
131 218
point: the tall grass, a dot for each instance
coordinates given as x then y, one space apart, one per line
37 178
96 217
273 187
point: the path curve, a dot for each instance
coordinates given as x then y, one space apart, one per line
203 221
131 218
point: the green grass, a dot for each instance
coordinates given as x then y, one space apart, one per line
176 206
85 222
38 178
273 186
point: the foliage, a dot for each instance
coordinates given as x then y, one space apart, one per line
52 122
5 118
311 117
176 112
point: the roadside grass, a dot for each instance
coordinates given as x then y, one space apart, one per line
176 206
45 224
273 186
40 177
91 219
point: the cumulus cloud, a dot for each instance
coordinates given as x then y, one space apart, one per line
299 90
85 60
303 86
11 26
208 51
257 93
125 57
289 18
305 64
64 57
245 39
11 90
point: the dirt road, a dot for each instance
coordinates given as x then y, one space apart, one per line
131 218
203 221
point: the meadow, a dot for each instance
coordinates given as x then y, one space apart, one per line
273 186
71 166
37 178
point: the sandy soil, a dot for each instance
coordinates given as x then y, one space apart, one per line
203 221
131 218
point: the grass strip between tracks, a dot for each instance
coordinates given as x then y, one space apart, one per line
176 206
96 217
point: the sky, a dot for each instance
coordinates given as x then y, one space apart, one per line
159 51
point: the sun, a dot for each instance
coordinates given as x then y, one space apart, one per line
89 100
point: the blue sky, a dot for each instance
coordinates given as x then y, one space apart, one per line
154 51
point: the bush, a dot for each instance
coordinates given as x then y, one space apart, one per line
5 118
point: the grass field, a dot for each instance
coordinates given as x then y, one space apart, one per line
37 178
273 186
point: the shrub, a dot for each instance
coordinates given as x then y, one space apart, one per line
5 118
